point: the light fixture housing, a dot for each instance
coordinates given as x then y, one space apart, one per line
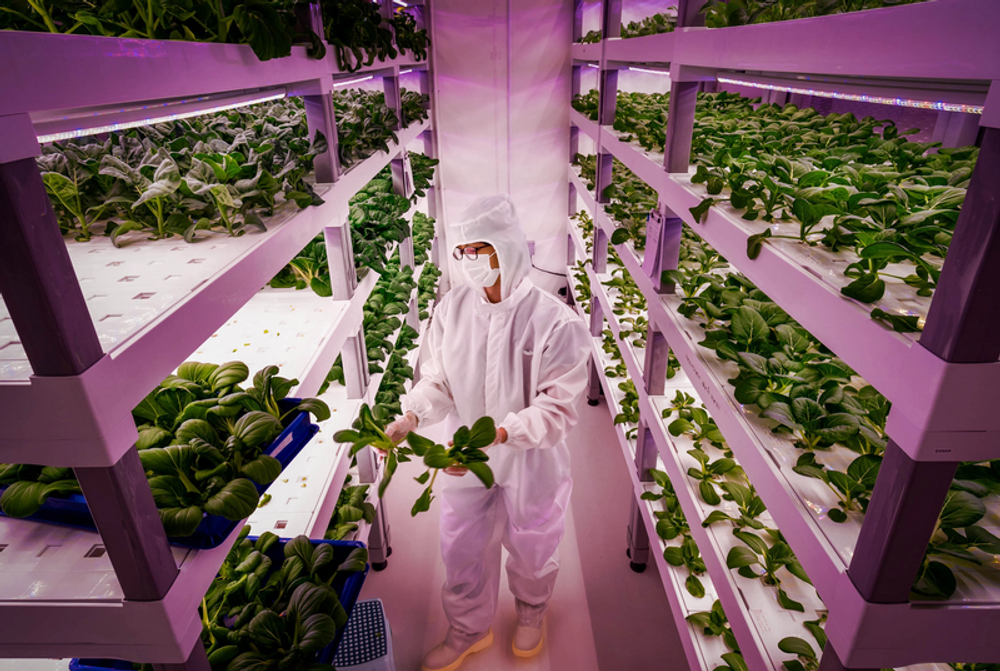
62 125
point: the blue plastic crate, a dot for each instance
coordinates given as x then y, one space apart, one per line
348 589
72 510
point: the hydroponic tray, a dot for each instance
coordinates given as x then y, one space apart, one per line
72 510
702 652
932 630
734 593
931 399
63 577
348 590
96 426
60 72
945 39
300 332
305 495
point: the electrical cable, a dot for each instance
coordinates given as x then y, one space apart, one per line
550 272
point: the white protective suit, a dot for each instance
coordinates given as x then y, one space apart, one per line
523 362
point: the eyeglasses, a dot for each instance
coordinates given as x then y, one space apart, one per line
470 253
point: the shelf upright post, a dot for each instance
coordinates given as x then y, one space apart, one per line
433 192
663 234
689 13
578 6
318 102
611 26
44 299
684 84
962 327
394 101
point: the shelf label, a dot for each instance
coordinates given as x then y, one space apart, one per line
408 186
654 229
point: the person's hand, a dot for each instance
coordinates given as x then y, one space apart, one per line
399 429
459 471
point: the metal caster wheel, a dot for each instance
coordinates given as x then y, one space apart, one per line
381 566
388 553
638 568
628 552
593 402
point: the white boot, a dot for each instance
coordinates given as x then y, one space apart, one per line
456 646
528 637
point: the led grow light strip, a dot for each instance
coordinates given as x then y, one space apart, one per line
860 97
149 121
652 72
354 81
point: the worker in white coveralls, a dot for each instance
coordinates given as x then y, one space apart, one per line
499 346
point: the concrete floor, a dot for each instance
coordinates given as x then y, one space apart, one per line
602 616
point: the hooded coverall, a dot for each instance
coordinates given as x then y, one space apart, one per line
523 362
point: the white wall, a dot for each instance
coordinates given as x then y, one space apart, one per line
502 104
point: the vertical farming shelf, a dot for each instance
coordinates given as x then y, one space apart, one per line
941 382
102 326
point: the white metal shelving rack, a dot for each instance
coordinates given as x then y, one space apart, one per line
90 330
943 385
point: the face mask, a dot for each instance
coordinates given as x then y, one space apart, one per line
478 272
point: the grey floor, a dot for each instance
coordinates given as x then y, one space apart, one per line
603 615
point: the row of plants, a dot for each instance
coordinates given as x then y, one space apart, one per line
725 13
352 508
789 378
627 199
383 315
376 220
216 171
202 442
355 29
663 22
719 476
264 613
672 525
365 124
639 117
857 188
223 172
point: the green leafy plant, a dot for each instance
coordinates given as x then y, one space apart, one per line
270 27
222 170
465 451
259 614
359 34
756 555
663 22
715 623
724 13
201 443
352 507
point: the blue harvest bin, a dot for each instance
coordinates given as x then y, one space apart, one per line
348 589
72 510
